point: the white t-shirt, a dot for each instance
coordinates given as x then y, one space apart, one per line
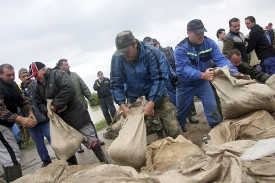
220 44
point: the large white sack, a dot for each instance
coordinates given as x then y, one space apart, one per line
261 149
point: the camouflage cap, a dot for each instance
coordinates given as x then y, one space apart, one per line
123 41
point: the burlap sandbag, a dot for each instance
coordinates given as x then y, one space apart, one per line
50 173
253 58
271 82
239 96
129 147
167 151
254 126
65 140
108 173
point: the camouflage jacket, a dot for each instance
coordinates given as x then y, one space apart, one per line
245 68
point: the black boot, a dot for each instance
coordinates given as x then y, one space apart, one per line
72 160
100 154
12 173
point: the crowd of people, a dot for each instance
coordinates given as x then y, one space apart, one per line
168 79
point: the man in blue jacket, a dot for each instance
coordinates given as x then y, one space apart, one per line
193 59
138 69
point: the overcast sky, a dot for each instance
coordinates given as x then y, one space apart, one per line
84 31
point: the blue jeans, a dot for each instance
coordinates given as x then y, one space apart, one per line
268 65
38 133
16 133
204 92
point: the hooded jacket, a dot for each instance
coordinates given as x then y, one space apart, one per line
192 60
59 87
259 42
146 76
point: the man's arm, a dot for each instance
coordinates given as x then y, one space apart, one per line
84 89
117 80
245 68
228 44
9 116
159 74
97 85
66 90
220 60
253 41
185 68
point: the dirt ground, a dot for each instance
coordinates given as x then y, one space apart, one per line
30 161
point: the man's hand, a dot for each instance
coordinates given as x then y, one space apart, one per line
53 109
26 122
208 74
32 116
126 110
148 110
92 102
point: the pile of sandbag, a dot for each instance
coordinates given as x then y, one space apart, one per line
168 152
240 96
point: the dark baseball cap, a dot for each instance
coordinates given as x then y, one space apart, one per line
123 41
22 70
196 26
35 67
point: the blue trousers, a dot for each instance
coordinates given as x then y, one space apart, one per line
204 92
38 133
268 65
16 133
171 93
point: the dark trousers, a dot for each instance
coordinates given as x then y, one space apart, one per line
106 105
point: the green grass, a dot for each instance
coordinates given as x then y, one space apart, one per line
100 125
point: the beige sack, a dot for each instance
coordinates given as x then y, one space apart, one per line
239 96
167 151
65 140
254 126
271 82
130 146
253 58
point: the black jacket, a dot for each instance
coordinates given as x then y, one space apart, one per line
59 87
10 100
259 42
103 88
